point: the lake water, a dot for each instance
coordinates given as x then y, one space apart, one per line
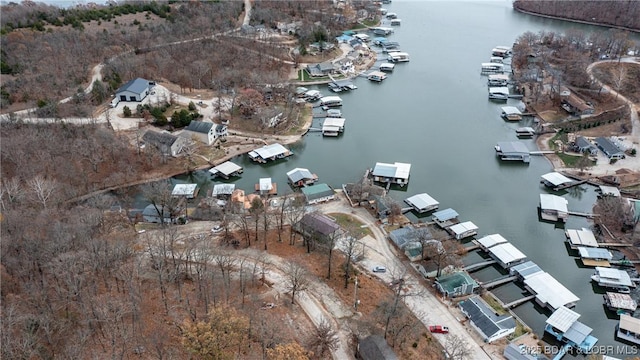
433 112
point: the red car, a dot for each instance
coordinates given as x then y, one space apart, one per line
439 329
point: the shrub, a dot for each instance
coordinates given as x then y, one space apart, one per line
126 111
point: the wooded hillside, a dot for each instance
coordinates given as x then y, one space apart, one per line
620 13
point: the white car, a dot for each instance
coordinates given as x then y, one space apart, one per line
379 269
217 229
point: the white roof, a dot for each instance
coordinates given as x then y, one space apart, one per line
553 202
549 290
387 66
266 184
463 227
339 122
313 93
395 170
630 323
609 190
491 240
507 253
563 318
499 90
422 201
556 178
269 151
184 190
509 110
223 189
490 64
498 77
227 168
582 237
330 99
594 253
613 276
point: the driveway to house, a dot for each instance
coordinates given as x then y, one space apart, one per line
426 307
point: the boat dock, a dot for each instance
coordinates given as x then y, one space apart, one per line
472 247
479 265
498 281
605 245
569 185
541 152
518 302
587 215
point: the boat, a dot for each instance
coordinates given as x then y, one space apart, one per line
387 67
377 76
525 131
499 93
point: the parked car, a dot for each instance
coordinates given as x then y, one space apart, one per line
379 269
217 229
439 329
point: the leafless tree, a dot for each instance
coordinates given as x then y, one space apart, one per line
457 347
159 194
295 212
11 191
42 190
353 249
297 279
329 245
324 339
443 253
403 287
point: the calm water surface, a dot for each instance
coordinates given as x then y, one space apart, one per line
433 113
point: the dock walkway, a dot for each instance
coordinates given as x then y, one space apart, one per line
479 265
520 301
587 215
571 184
498 281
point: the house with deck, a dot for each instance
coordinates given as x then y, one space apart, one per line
553 208
317 226
456 284
583 145
320 69
486 321
201 131
167 144
396 173
563 325
574 104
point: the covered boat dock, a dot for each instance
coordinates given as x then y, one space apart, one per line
595 256
445 218
226 170
463 230
269 153
578 238
422 203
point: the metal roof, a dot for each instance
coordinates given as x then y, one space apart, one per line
454 280
484 318
317 191
395 170
298 174
581 237
265 184
630 323
463 227
509 147
553 202
498 77
320 223
511 110
609 190
513 352
556 178
563 318
227 168
184 189
159 138
614 277
199 126
621 301
491 240
421 201
223 189
594 253
499 89
136 86
337 122
583 143
526 269
578 332
408 234
607 146
550 291
269 151
444 215
507 253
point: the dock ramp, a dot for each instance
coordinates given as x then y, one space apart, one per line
498 281
479 265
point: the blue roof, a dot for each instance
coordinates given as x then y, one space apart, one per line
344 37
444 215
136 86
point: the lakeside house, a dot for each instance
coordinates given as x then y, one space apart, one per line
201 131
574 104
300 177
486 321
553 208
582 145
422 203
408 235
317 226
375 347
167 144
396 173
320 69
226 170
563 324
628 329
610 149
318 193
456 284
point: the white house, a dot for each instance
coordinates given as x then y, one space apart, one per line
489 324
134 90
221 130
201 131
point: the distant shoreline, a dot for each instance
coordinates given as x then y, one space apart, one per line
576 21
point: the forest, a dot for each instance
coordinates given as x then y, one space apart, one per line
620 13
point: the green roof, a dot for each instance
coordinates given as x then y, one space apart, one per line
317 191
450 282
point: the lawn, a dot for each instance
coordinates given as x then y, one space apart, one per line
349 222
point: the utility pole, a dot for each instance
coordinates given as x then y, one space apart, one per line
356 301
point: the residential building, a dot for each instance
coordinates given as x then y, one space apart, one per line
320 69
456 284
134 90
201 131
409 234
166 143
585 146
483 318
609 148
221 131
300 177
318 193
375 347
575 105
151 213
317 226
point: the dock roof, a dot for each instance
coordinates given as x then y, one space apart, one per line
556 179
563 318
553 202
614 277
223 189
269 151
226 168
583 237
317 191
621 301
526 269
609 190
444 215
513 147
511 110
298 174
630 323
499 89
578 332
506 253
337 122
188 190
492 240
485 319
421 201
503 77
396 170
265 184
514 352
550 291
594 253
463 227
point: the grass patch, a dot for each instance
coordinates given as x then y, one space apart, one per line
520 330
495 305
358 26
571 160
369 22
303 75
349 222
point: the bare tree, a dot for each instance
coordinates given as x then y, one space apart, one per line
443 253
42 190
297 279
457 347
329 244
403 287
11 191
324 340
159 195
295 212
